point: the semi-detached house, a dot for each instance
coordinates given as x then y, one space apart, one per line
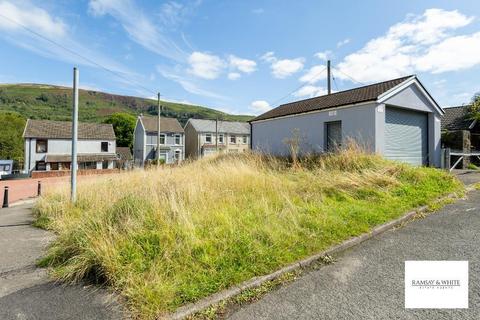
172 148
205 137
398 119
48 146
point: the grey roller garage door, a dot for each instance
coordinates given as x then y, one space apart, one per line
406 136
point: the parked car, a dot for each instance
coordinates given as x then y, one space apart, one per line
5 167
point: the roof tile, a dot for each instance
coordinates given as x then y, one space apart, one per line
337 99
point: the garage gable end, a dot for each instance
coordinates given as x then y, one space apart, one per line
411 95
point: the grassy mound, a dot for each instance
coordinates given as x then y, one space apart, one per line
167 237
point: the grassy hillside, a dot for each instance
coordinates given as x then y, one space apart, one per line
163 239
38 101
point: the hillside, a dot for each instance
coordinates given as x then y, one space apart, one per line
38 101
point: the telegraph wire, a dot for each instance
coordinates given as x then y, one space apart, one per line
130 81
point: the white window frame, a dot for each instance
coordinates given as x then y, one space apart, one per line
208 136
164 137
221 138
234 138
179 139
245 139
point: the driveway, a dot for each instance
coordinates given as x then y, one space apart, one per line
367 281
26 292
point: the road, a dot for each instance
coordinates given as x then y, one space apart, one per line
367 281
26 292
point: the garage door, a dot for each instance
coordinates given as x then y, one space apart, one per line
406 136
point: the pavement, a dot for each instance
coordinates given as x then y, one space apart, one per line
367 281
26 292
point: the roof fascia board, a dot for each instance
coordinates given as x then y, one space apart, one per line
25 129
315 111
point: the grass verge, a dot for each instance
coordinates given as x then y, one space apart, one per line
167 237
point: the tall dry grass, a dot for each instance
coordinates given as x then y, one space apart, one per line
166 237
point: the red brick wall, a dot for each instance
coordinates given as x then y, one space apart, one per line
64 173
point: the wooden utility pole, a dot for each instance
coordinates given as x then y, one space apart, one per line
158 131
73 195
329 84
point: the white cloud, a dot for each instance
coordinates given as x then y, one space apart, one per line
234 75
243 65
31 17
314 74
260 106
269 57
187 84
286 67
138 26
324 55
27 15
283 68
343 42
206 66
310 91
420 43
452 54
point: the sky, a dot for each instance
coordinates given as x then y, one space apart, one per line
241 57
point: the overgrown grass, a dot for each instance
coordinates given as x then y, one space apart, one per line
168 237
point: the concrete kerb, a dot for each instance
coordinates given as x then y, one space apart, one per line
191 309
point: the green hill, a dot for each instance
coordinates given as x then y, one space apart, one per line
38 101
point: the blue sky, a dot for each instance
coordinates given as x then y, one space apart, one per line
242 56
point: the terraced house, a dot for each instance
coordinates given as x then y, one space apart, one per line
48 146
172 149
205 137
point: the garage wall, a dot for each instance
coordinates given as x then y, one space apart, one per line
358 122
412 98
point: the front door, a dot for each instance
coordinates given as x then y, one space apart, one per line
333 133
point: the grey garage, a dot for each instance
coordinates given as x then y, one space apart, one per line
398 119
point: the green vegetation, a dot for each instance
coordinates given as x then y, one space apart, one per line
37 101
123 125
166 237
11 141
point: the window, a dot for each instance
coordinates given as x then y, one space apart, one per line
53 165
178 139
87 165
42 146
41 166
105 164
177 155
162 139
233 139
65 166
104 146
244 139
220 138
208 138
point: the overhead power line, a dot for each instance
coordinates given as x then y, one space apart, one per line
128 80
350 77
299 87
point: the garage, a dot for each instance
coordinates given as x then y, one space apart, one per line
406 136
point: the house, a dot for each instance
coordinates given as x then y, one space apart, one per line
201 137
125 158
398 119
460 132
48 145
172 149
